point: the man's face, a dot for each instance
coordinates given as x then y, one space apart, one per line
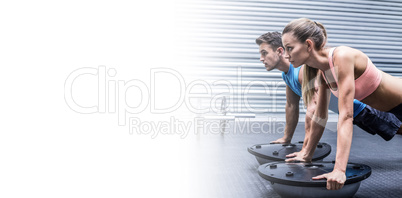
269 57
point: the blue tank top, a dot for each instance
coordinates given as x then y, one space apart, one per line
291 79
357 107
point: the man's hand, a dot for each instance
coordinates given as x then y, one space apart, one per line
335 179
281 140
298 156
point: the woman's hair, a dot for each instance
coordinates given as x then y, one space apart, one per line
304 29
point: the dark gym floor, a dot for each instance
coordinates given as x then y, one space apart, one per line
226 169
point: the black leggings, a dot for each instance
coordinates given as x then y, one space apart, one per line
373 121
397 111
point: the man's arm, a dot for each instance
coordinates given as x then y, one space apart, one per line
292 116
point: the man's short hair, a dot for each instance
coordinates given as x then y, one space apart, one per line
272 38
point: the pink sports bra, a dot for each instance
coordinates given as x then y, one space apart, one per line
365 85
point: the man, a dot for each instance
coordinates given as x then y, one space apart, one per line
272 55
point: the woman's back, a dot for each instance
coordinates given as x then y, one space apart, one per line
382 95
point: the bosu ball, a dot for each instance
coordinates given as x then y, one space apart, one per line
295 179
266 153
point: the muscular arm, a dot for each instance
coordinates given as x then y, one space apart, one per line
346 88
319 119
292 116
316 119
345 62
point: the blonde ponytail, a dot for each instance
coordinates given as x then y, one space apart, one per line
308 85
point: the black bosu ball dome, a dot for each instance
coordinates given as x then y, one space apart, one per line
295 179
266 153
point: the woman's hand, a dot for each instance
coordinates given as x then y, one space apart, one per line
335 179
298 156
281 140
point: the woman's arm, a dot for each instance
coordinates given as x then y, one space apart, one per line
344 61
317 123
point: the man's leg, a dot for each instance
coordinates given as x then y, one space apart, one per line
373 121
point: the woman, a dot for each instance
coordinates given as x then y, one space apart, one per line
349 74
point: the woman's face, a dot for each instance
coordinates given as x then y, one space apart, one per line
295 51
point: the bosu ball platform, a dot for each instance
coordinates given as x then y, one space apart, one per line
295 179
266 153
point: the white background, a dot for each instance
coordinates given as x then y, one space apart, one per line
49 150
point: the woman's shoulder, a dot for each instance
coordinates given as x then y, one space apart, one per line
345 52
